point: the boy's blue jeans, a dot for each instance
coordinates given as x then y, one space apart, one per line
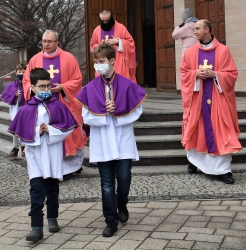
41 188
111 201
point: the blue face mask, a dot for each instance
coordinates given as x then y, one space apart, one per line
19 76
44 94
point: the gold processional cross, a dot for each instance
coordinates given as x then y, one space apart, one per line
52 71
206 66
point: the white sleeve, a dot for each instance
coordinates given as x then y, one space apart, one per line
197 85
93 120
57 135
132 117
217 83
120 47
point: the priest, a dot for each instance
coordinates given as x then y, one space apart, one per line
114 33
210 123
66 82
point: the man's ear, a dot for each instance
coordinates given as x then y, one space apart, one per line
112 61
33 90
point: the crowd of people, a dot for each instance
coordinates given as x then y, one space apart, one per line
47 99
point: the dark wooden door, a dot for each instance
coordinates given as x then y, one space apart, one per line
165 46
214 11
92 10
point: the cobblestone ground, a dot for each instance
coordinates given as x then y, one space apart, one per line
14 186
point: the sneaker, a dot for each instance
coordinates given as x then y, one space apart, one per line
53 226
14 152
35 235
110 229
226 178
192 169
123 215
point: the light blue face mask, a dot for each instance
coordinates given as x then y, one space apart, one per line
44 94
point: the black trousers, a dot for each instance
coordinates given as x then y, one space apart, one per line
41 189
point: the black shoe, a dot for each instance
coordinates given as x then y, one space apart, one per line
123 215
53 226
110 229
79 171
35 235
192 169
14 152
226 178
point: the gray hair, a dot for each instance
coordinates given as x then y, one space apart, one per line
52 31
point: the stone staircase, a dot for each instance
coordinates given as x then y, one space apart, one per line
158 136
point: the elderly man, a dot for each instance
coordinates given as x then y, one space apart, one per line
210 124
66 82
116 34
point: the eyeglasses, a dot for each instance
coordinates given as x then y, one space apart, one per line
48 41
43 87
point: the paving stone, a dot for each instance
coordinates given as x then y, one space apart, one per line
234 243
195 224
206 245
218 225
76 230
222 219
238 225
125 245
74 245
213 208
58 238
228 232
177 244
69 215
169 227
188 205
196 230
163 204
146 228
12 247
204 237
135 235
220 213
7 240
151 220
231 203
176 218
188 212
240 216
46 246
160 212
168 235
153 244
237 208
200 218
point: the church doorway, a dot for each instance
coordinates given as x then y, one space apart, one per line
149 43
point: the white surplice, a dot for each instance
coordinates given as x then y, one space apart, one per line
44 156
13 109
112 138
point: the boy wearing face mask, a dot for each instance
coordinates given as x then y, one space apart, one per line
111 103
47 123
13 95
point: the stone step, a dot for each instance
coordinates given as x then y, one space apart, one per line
167 157
163 142
168 128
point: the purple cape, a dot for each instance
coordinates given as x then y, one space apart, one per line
9 96
24 123
126 94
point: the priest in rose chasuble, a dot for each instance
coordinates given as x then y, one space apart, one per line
210 123
116 34
66 82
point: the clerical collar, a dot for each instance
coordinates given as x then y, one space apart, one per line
51 54
109 80
207 42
